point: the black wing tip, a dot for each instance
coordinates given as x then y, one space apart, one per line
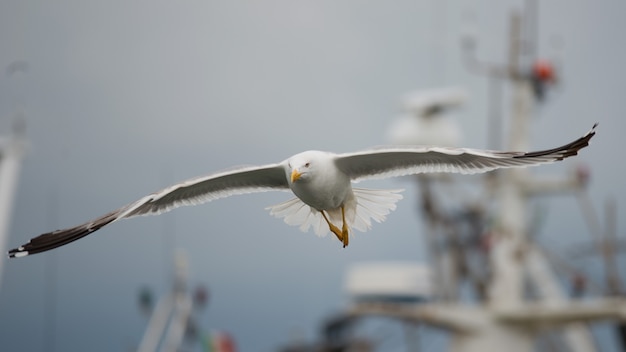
58 238
39 244
581 142
48 241
566 150
573 148
17 252
592 131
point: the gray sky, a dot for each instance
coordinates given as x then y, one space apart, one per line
123 98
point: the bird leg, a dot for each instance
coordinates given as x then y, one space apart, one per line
334 229
344 228
343 234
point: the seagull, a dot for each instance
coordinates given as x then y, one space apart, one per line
322 183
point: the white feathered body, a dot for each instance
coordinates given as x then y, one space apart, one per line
328 191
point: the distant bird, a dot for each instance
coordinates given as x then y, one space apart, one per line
322 183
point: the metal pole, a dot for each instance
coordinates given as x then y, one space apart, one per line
157 324
506 287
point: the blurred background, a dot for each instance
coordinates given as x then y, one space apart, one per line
118 99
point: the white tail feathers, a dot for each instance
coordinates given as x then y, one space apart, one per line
372 204
368 205
296 213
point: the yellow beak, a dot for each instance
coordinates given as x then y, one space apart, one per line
295 175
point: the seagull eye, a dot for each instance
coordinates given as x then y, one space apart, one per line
307 164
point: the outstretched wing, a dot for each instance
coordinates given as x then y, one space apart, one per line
399 161
191 192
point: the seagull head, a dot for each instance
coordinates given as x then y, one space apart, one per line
301 166
299 171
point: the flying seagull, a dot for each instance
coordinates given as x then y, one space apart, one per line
322 183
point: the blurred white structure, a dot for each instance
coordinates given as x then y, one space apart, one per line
168 323
389 282
423 120
12 149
